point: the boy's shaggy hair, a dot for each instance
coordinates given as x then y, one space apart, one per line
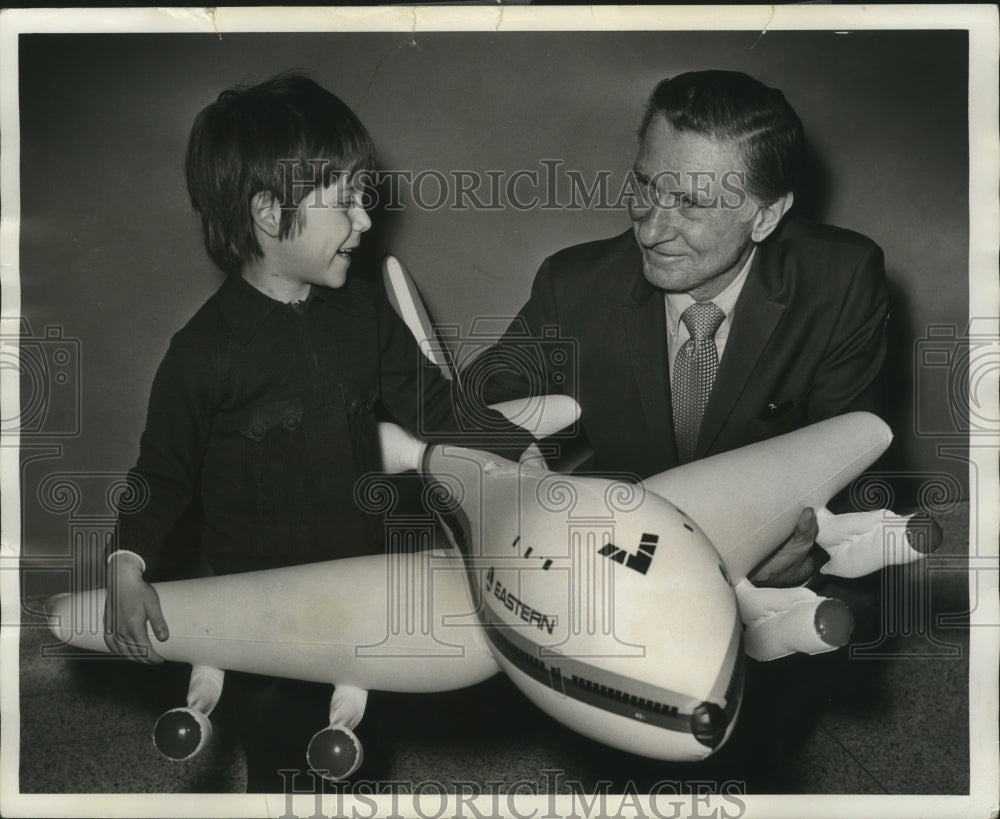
285 136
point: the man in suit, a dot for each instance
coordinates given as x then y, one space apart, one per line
717 320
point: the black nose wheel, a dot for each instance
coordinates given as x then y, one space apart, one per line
181 733
335 753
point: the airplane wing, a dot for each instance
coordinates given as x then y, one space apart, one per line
748 500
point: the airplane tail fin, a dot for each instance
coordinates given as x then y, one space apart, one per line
541 416
409 306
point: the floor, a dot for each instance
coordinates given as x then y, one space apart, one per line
893 719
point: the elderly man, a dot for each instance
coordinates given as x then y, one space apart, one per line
716 320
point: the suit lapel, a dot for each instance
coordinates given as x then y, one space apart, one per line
645 321
758 310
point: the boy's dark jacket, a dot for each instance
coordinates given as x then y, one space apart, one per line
269 412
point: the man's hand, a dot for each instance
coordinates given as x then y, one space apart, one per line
791 565
131 601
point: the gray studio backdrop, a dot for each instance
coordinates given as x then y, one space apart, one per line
112 262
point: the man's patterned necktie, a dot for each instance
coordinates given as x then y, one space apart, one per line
694 372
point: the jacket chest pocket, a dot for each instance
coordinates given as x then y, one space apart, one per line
258 422
239 458
275 465
301 463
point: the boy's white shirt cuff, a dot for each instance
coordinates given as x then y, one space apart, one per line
127 552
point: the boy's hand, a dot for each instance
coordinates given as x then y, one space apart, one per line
400 450
131 601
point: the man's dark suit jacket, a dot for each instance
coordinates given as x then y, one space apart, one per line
807 342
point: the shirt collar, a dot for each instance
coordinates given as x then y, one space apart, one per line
677 303
246 308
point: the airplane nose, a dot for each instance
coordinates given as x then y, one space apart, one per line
708 724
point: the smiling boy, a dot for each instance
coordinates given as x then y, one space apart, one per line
264 406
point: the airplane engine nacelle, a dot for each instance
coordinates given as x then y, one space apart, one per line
605 604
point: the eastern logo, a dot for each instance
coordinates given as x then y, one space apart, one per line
530 615
640 560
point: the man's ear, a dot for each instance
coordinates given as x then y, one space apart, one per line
266 213
768 217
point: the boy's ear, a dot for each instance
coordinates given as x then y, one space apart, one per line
266 213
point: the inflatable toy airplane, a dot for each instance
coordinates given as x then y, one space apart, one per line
623 611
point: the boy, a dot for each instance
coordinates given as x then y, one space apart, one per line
264 406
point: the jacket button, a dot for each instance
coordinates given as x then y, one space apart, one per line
370 403
257 431
291 423
355 406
